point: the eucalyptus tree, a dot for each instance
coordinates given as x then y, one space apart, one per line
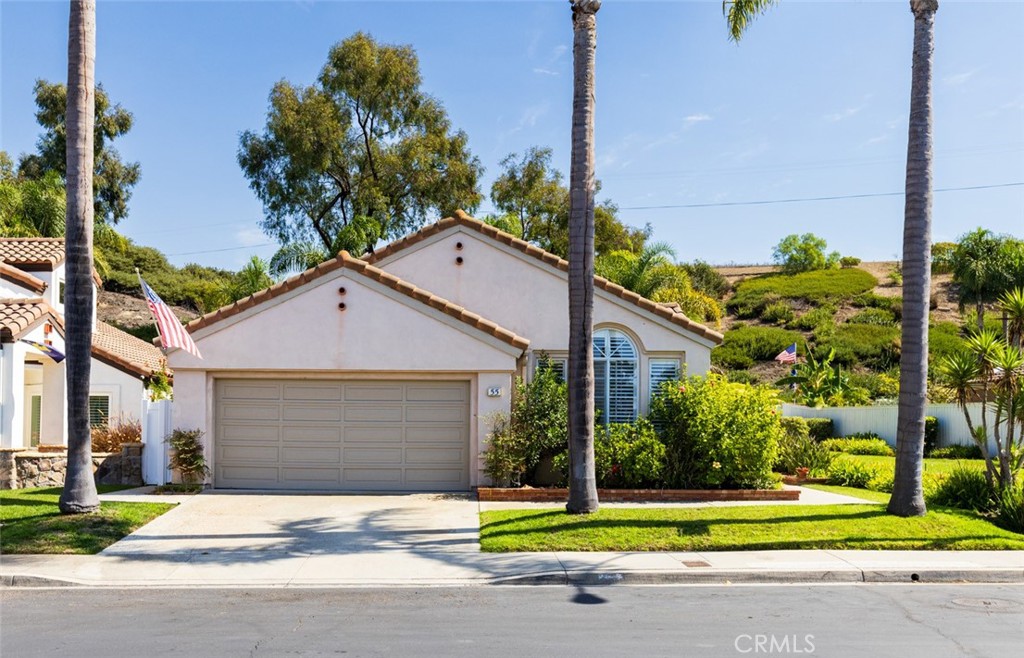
361 155
79 494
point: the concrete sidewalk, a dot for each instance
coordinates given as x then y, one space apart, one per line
246 540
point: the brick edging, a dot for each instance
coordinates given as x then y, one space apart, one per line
496 494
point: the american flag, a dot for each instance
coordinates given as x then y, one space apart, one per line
172 334
787 355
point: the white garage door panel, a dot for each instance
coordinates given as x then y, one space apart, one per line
358 436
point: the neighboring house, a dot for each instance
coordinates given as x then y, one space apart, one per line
33 405
384 374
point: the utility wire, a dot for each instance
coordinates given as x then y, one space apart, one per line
765 202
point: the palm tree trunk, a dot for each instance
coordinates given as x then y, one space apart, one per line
582 480
79 494
907 493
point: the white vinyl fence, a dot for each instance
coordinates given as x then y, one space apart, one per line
881 420
156 425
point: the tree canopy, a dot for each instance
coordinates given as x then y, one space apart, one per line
804 253
361 155
113 179
533 204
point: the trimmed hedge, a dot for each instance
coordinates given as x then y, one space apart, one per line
821 428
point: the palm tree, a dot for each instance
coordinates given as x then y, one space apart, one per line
1012 305
907 492
79 494
582 479
645 273
979 270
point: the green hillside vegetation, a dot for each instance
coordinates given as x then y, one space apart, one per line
823 286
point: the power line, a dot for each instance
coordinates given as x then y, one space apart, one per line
213 251
765 202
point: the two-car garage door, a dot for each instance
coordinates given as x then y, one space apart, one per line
344 435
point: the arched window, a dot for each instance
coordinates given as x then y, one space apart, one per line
615 377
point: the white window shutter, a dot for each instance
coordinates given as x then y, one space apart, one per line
661 371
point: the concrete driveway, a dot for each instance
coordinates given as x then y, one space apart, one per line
316 539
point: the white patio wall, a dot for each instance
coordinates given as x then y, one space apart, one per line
156 425
881 420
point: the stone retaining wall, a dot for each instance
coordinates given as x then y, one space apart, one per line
638 495
21 468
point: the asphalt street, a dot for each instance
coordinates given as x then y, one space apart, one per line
844 620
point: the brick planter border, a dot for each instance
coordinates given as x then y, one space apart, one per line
495 494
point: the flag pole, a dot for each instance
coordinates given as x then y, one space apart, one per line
142 286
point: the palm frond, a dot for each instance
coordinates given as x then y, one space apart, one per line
740 13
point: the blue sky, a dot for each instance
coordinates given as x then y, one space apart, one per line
812 103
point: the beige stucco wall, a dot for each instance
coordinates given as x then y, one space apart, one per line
530 298
381 333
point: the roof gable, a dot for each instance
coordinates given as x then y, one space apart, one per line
19 316
20 278
461 219
344 260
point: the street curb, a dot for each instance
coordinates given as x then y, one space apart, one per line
595 579
25 580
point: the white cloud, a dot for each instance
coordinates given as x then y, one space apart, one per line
696 118
842 115
543 71
248 237
958 79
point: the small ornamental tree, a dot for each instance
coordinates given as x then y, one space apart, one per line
804 253
187 455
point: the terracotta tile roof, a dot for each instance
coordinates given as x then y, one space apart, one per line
124 351
462 219
347 261
32 251
35 254
17 316
23 279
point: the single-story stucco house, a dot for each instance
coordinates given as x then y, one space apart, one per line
33 406
383 373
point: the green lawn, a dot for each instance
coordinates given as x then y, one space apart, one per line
766 527
930 465
30 522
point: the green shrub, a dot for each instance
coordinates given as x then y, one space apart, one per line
849 261
536 429
742 377
956 452
931 434
942 257
813 287
820 428
706 279
882 481
859 446
798 450
811 320
877 316
944 339
861 344
187 456
964 488
1010 512
879 385
777 313
505 456
745 345
850 473
873 300
718 434
626 455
